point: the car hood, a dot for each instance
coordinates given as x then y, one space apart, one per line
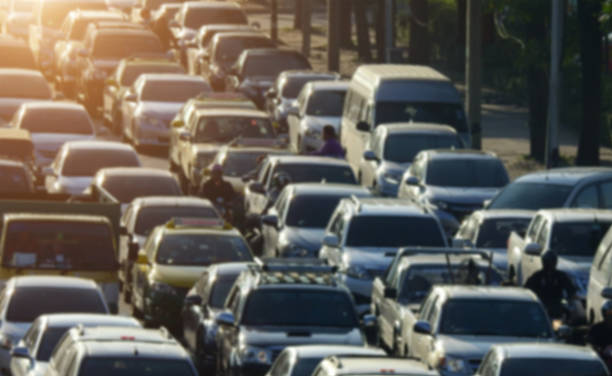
309 238
370 257
8 106
318 122
461 195
177 276
52 142
477 346
160 110
290 336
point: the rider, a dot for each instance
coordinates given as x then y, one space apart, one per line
600 334
215 187
551 285
331 147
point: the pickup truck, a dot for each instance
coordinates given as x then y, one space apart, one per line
573 234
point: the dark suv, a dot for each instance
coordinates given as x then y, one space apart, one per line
269 309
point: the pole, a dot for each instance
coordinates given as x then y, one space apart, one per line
274 20
333 50
389 26
552 129
473 70
306 27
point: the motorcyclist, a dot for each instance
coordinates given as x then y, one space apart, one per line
551 285
215 187
331 147
600 334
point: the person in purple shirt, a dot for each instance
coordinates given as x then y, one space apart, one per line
331 147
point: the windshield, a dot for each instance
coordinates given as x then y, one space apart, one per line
402 148
52 13
494 233
152 216
486 317
201 250
48 341
554 366
72 245
198 17
300 308
315 173
220 290
476 173
18 86
173 91
531 196
228 49
132 71
56 120
126 188
293 85
14 180
240 164
312 211
271 65
121 45
80 24
135 366
16 149
17 57
326 103
577 238
394 231
52 300
305 366
226 129
441 113
87 162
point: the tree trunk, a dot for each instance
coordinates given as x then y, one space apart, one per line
346 24
537 86
297 18
419 34
364 48
380 30
590 54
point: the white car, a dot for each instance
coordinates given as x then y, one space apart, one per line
77 163
319 104
153 101
30 357
51 124
20 86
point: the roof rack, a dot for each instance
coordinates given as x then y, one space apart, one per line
294 264
298 277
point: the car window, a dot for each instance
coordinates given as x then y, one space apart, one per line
488 367
587 198
426 306
606 194
31 337
72 365
533 228
543 235
432 314
281 365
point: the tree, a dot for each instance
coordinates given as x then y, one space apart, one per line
420 46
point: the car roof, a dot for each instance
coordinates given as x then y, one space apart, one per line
14 134
124 348
270 51
439 259
246 33
149 61
80 13
369 365
328 85
124 30
53 281
251 149
217 231
387 206
135 171
332 189
11 162
98 145
8 41
503 213
171 201
171 77
232 268
318 351
8 217
487 292
577 215
114 334
211 4
20 72
87 319
426 128
565 176
307 159
458 153
301 73
46 105
547 351
381 72
230 111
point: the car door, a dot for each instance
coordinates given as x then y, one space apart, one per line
226 335
417 170
600 278
389 315
337 226
420 342
294 122
140 273
192 313
531 263
258 201
21 366
271 233
367 168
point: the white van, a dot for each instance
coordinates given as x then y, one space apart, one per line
387 93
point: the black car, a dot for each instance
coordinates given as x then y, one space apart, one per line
256 70
269 309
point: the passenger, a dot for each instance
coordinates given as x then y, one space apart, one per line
216 187
331 146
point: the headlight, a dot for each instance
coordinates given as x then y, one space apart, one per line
452 364
162 289
252 354
358 272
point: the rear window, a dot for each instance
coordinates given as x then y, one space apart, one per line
197 17
315 173
56 120
553 366
326 103
476 173
402 148
27 303
14 180
271 65
135 366
531 196
17 57
126 188
225 129
228 49
151 216
494 233
394 232
70 245
27 87
312 211
121 45
173 91
88 162
132 71
201 250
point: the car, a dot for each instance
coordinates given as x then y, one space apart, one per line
408 280
17 179
152 102
18 18
392 148
453 183
303 360
51 124
295 225
52 294
144 214
195 14
256 70
318 104
490 230
133 351
17 146
316 309
261 192
370 365
77 162
66 49
123 78
171 261
461 323
392 93
530 359
30 356
124 184
202 304
572 187
103 49
363 235
21 86
225 48
286 89
198 51
16 54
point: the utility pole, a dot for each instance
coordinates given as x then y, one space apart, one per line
552 129
333 40
274 20
473 70
306 27
389 27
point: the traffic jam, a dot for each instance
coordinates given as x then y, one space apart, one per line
297 222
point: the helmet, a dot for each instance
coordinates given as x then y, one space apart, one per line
281 179
216 169
549 260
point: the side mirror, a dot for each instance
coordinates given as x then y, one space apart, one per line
368 321
193 300
363 126
131 97
390 292
225 318
606 293
533 249
270 220
412 180
133 249
369 155
185 136
83 52
177 124
331 241
257 187
422 327
20 352
142 258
